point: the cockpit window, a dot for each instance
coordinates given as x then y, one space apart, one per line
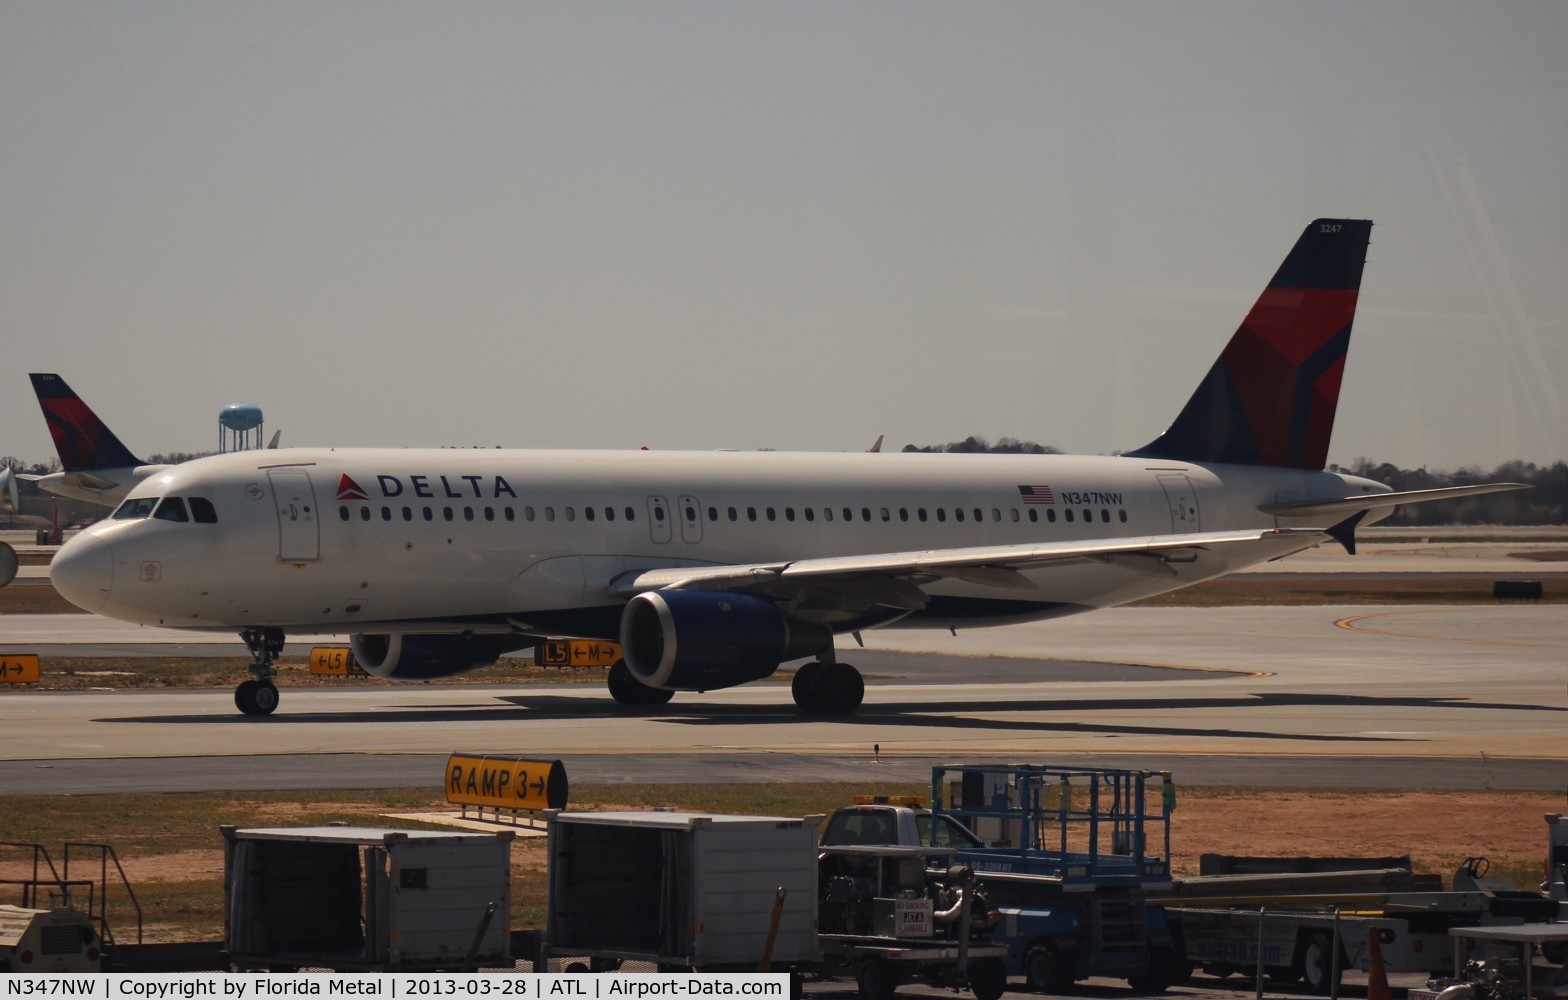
202 511
132 510
171 509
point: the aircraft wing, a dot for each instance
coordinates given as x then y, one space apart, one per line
1375 501
990 565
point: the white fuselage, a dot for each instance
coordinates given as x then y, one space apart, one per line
534 541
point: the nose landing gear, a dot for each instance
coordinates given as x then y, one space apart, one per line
259 696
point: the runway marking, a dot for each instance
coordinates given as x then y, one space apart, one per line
1349 624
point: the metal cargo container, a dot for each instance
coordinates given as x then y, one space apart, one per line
358 898
681 889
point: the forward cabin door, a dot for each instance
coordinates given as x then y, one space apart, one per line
299 526
1183 503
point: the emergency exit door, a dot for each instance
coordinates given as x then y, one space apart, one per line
1183 502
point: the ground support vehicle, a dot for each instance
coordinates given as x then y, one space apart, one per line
1073 855
366 899
887 919
1505 969
1299 931
55 939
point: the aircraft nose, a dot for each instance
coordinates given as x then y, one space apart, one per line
83 572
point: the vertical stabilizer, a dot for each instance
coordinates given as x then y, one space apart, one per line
82 440
1270 398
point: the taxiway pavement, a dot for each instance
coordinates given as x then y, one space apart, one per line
1390 696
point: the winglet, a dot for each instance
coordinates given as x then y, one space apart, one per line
1345 531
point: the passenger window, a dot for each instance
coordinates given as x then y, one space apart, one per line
571 514
1050 515
408 513
996 515
588 513
713 513
809 515
173 509
1034 516
849 515
134 510
789 513
386 512
865 513
509 515
751 513
631 514
772 516
941 515
979 514
446 512
886 514
489 513
528 513
827 513
342 513
468 513
203 512
958 514
430 515
609 513
921 513
1068 513
733 515
364 513
1014 513
549 513
1105 516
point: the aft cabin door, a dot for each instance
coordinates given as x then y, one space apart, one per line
299 527
1183 501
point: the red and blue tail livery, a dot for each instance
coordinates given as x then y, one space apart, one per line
82 440
1270 398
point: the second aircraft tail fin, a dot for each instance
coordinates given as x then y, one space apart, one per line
1270 398
83 441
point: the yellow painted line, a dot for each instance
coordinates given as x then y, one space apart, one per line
1349 624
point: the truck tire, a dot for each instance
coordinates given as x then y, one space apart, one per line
988 978
1317 962
1047 970
1159 975
876 979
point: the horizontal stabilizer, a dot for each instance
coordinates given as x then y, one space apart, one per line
1377 501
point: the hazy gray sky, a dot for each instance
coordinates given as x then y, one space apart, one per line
789 225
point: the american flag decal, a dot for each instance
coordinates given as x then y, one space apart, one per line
1036 494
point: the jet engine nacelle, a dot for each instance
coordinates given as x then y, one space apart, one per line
694 640
424 657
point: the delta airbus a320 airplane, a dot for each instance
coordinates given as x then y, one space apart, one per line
713 568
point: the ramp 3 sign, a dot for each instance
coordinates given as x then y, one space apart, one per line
505 782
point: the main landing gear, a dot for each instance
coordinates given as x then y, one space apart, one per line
827 687
259 696
628 690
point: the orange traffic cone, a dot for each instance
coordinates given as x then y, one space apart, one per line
1377 976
